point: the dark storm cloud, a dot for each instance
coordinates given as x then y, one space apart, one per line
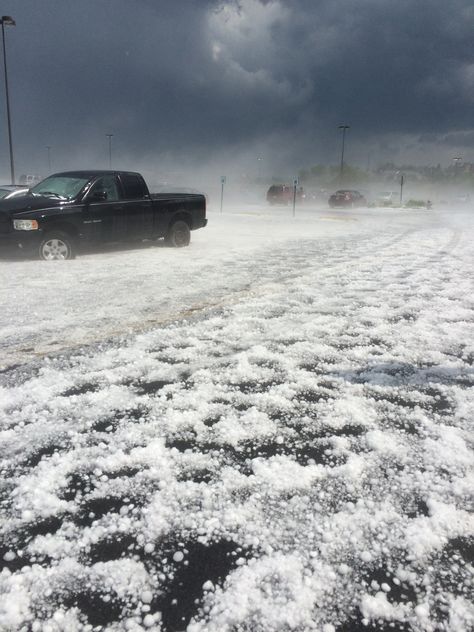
178 77
393 66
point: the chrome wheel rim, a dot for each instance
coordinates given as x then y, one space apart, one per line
55 249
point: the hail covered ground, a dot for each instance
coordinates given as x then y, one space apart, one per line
266 431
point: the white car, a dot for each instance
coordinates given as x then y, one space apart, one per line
387 198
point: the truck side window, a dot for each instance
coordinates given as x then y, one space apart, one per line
108 185
133 186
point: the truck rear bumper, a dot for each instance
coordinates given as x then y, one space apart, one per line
200 223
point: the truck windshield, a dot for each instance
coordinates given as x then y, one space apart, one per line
63 187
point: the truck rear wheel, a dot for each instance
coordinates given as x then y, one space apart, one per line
178 235
57 246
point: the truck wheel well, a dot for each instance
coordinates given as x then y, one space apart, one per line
62 227
184 217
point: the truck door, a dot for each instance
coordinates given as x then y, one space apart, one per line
104 213
137 206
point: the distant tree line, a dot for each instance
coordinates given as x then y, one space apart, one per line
328 176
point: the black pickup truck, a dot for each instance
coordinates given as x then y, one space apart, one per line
53 218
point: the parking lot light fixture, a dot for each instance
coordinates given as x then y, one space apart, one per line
343 127
6 20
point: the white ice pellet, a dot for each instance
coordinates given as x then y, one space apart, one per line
178 556
147 596
9 556
422 610
148 620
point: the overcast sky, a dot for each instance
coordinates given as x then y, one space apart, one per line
261 84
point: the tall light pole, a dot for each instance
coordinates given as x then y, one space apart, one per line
402 181
110 136
343 127
223 181
6 20
48 147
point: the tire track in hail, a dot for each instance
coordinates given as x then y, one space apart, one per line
285 264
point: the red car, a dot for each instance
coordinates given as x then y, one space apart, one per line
347 198
283 194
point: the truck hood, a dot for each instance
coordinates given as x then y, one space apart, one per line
25 203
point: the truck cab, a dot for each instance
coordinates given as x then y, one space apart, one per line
77 207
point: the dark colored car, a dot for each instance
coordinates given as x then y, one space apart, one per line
347 198
8 191
53 218
283 194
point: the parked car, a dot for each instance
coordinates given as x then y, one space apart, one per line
8 191
387 198
283 194
462 199
315 196
347 198
30 180
53 218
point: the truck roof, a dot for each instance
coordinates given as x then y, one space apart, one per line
91 173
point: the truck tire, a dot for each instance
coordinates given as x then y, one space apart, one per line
57 246
178 235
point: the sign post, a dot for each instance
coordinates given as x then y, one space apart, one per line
295 184
402 179
223 179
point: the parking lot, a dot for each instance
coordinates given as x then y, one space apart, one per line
268 430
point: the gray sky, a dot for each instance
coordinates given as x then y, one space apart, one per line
188 83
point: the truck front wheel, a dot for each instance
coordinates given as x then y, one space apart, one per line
178 235
56 246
